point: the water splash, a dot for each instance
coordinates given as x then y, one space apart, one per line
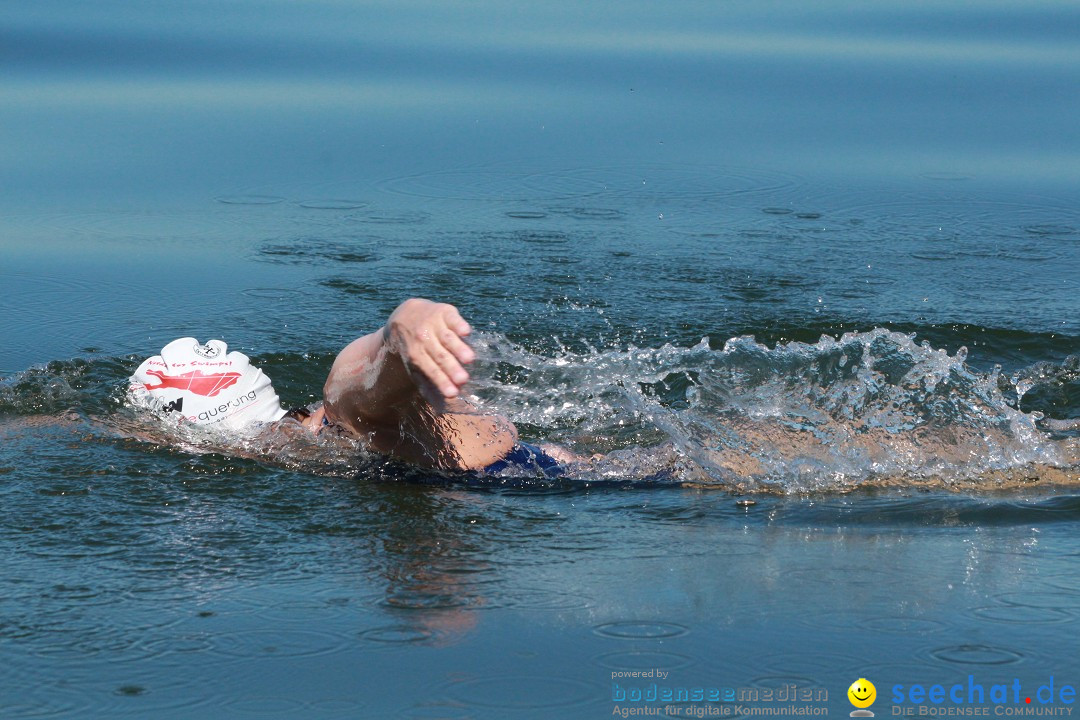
865 408
793 417
1052 389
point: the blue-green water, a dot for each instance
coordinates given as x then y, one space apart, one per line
617 196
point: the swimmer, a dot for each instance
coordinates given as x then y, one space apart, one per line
398 390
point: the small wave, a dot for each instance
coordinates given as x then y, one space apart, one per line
1051 389
63 386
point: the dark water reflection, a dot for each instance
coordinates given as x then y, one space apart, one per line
581 179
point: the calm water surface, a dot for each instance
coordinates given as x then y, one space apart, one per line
652 213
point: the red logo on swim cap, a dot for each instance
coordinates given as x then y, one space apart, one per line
194 381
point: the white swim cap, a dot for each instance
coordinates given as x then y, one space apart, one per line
206 384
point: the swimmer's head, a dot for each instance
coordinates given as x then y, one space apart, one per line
206 385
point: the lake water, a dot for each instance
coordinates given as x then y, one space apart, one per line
824 257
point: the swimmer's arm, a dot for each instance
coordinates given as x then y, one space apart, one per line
400 387
418 357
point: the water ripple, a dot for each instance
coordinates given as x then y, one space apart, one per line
249 199
976 655
640 630
1052 600
399 635
1022 615
902 625
332 204
277 642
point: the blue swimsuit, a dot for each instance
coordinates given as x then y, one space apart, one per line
527 459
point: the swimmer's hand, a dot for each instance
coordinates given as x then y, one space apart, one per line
400 387
430 339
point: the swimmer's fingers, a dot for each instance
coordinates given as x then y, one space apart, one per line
452 343
449 351
451 337
429 337
450 366
432 370
455 322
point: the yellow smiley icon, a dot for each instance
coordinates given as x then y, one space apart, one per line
862 693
